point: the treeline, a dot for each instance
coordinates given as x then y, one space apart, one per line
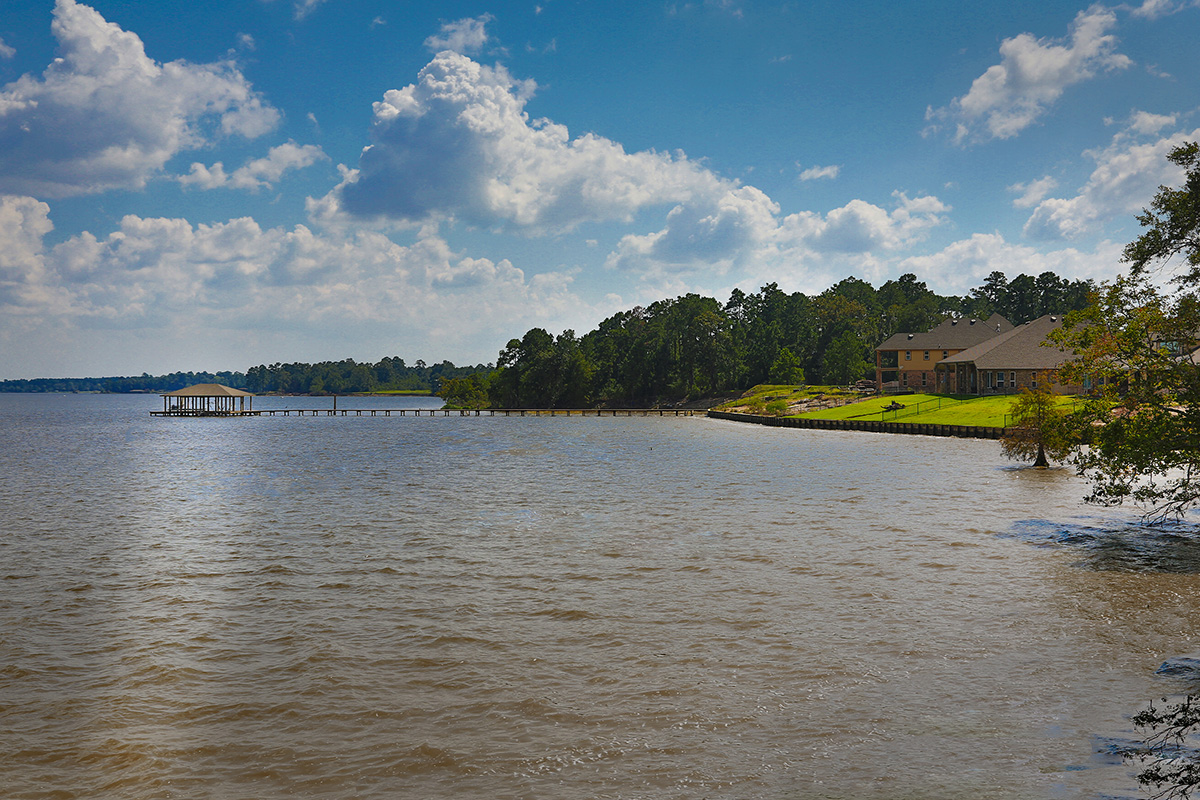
323 378
121 385
695 346
349 376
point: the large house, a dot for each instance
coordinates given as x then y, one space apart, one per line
909 360
1014 360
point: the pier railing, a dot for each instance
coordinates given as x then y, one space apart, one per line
451 412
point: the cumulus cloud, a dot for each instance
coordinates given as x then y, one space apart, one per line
743 228
105 116
458 145
6 52
24 222
966 263
162 274
1032 74
1145 123
817 173
1128 172
1032 193
461 36
257 174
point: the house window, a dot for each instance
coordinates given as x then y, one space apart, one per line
1033 381
926 355
999 380
991 380
1012 379
923 378
945 354
905 378
908 355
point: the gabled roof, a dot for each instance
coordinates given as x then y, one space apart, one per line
208 390
1020 348
951 334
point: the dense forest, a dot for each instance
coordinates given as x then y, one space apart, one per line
140 383
694 346
348 377
672 350
325 377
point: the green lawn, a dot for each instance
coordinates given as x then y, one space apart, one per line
987 412
871 408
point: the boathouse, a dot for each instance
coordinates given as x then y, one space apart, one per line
207 400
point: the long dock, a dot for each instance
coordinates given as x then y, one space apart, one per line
445 412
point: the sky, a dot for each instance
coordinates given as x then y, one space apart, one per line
222 184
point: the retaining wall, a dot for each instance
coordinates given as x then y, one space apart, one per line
875 426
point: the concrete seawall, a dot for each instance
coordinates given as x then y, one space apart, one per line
873 426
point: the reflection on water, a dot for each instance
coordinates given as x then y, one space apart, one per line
547 607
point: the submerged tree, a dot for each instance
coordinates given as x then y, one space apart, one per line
1039 429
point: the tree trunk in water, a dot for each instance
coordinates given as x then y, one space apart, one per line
1041 457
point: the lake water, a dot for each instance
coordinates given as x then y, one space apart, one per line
449 607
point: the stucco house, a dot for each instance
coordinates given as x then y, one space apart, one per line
909 360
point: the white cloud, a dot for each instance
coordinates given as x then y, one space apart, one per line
1153 9
24 222
462 36
257 174
1127 175
306 7
743 229
105 116
1032 193
159 275
458 145
816 172
965 264
6 52
1032 74
1145 123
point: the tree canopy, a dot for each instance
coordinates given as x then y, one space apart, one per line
1136 346
1039 429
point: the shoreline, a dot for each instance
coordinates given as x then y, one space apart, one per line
868 426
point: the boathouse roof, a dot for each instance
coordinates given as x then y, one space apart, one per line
208 390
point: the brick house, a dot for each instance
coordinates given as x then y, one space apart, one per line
1007 363
909 360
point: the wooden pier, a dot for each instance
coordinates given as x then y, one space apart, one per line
487 412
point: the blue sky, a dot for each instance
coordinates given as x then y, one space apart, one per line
221 184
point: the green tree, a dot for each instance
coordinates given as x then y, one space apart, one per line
1039 429
845 360
787 369
1134 352
1138 346
469 392
1172 222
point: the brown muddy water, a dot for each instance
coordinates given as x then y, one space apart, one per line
529 607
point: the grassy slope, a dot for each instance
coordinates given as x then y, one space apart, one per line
986 412
766 392
869 408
